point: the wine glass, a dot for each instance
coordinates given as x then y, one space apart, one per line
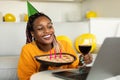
84 46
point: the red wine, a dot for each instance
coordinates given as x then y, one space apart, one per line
84 49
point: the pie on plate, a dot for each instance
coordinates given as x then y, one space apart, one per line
56 60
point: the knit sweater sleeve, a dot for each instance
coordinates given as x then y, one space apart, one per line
26 65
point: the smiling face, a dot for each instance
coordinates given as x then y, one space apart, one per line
43 30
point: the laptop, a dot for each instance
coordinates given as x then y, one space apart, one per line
105 66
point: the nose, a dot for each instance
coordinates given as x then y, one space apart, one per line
46 30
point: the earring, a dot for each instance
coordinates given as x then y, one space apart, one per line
33 38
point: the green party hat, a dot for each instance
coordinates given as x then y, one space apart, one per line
31 9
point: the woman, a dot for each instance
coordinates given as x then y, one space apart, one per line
40 41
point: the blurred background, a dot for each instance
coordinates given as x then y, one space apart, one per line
62 10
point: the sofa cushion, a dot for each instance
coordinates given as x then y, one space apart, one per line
8 67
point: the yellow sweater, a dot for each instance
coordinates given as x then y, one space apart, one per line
27 64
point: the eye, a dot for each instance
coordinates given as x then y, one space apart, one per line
50 26
39 28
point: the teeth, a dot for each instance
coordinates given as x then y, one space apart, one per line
46 36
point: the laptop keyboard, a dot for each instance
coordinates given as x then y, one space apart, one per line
77 74
82 76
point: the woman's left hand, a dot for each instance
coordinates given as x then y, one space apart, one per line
88 58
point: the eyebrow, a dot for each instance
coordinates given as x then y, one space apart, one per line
50 23
41 24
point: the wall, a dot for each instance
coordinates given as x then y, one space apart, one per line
104 8
105 27
61 10
57 11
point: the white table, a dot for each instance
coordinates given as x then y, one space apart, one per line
45 75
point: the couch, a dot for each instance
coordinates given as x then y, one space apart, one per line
12 39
